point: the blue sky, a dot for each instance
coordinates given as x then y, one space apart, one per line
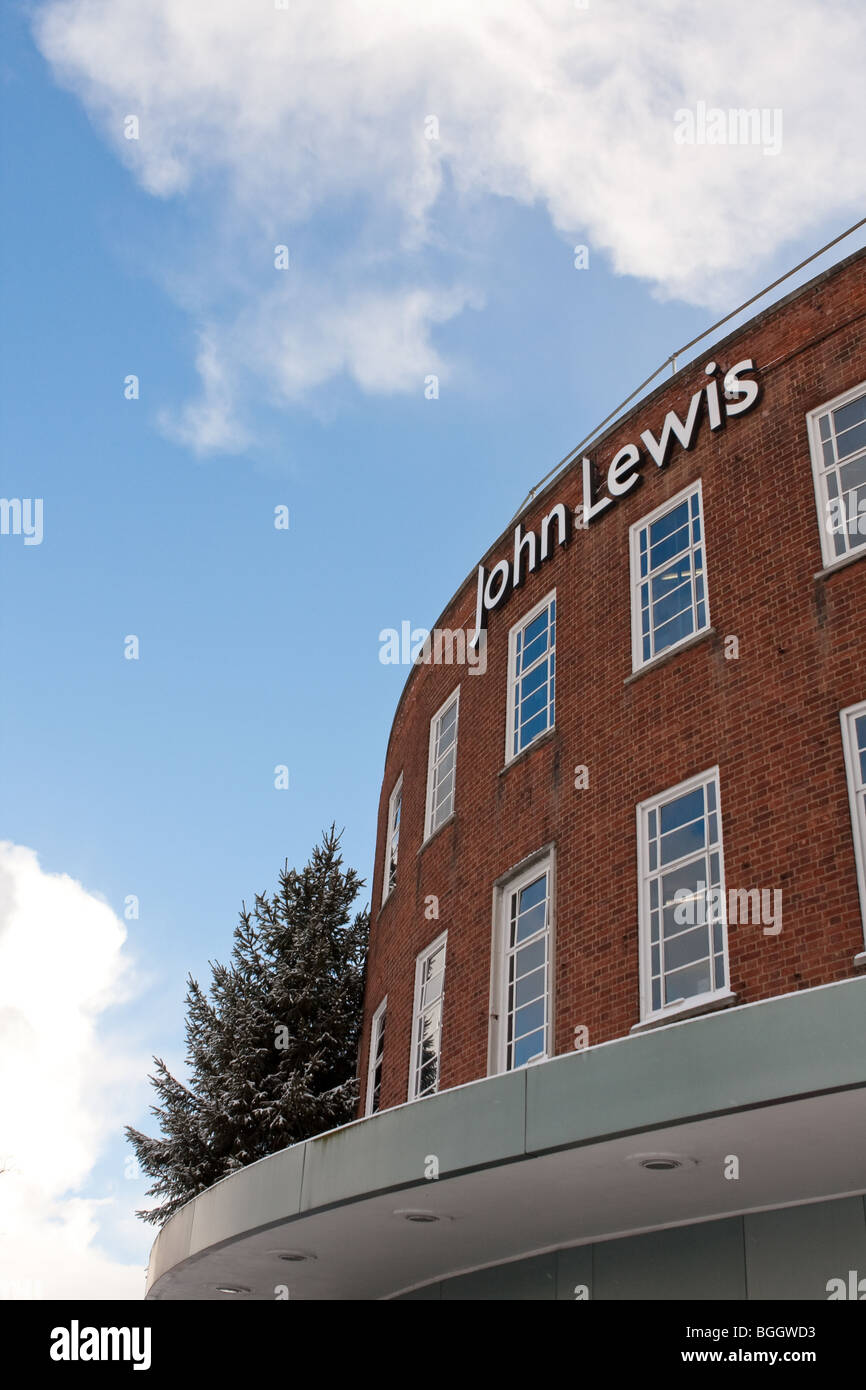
260 647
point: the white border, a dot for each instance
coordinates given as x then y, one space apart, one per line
828 554
642 810
527 618
637 661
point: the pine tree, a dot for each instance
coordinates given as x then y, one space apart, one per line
272 1050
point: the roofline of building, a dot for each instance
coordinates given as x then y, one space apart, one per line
597 442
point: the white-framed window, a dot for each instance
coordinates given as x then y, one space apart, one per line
521 984
668 576
531 677
681 897
427 1020
374 1061
392 838
442 764
854 742
837 443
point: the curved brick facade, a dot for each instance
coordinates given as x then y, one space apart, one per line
767 719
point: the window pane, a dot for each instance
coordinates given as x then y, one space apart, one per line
686 877
692 945
534 705
672 602
848 415
672 521
524 1011
436 961
433 988
682 809
529 958
430 1029
852 440
534 892
445 783
448 719
672 545
534 651
853 475
532 921
676 591
535 680
527 1048
688 840
685 984
675 630
537 628
530 987
533 728
528 1019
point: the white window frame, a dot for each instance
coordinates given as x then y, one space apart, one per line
377 1028
510 752
543 861
856 802
419 1009
638 661
434 760
387 886
645 874
820 474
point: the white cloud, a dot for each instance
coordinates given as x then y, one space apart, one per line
209 423
313 117
62 1082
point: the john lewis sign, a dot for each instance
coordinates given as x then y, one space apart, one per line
739 394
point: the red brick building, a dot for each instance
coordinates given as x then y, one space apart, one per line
672 696
617 945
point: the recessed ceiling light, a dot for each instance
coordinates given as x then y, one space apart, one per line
231 1288
661 1163
421 1217
296 1256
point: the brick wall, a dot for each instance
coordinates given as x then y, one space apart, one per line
769 720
